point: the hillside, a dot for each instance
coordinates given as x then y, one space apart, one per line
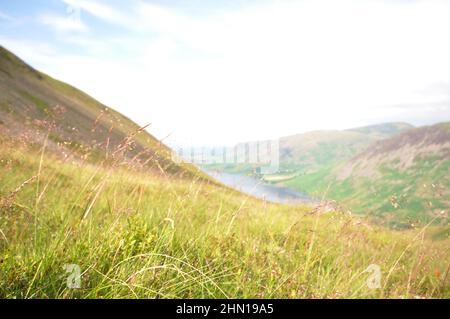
313 150
318 151
39 109
405 177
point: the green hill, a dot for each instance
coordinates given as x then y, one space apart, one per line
319 149
38 108
405 177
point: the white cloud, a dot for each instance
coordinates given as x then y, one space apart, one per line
267 70
99 10
63 23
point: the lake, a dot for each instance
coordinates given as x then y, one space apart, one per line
254 186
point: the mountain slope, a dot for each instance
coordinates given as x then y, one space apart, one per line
318 151
315 149
406 177
37 108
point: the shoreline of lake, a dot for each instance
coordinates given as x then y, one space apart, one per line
256 187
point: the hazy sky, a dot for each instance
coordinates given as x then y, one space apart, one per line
220 72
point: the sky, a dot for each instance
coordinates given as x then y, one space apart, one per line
222 72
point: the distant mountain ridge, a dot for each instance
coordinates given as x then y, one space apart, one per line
318 148
384 129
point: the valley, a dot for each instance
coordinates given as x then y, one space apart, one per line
397 174
85 187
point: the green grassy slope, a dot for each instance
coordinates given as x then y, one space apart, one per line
34 106
405 178
145 235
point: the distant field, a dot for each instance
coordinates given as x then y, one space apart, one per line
278 178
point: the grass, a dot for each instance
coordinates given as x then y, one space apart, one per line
142 235
40 104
